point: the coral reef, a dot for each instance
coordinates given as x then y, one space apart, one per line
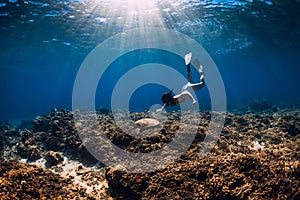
21 181
256 157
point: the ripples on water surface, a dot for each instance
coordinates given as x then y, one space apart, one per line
45 42
82 24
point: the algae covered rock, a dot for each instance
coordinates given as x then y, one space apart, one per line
53 158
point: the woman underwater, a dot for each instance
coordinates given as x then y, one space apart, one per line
170 99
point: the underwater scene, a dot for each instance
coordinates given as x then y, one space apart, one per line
149 99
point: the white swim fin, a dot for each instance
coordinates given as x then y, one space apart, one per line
188 58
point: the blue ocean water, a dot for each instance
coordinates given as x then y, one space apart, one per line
254 43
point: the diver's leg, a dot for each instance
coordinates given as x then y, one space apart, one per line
189 74
201 71
188 58
198 86
194 86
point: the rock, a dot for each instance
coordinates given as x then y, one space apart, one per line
53 158
2 145
147 122
22 181
40 124
31 152
55 143
85 156
118 187
293 128
290 124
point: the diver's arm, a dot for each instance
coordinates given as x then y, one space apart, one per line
161 109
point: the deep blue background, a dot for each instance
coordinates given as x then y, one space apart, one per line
255 45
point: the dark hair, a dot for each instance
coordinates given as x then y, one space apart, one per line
167 99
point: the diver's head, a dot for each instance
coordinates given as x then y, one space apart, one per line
167 99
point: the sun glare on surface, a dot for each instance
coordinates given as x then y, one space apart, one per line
139 13
110 17
140 4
